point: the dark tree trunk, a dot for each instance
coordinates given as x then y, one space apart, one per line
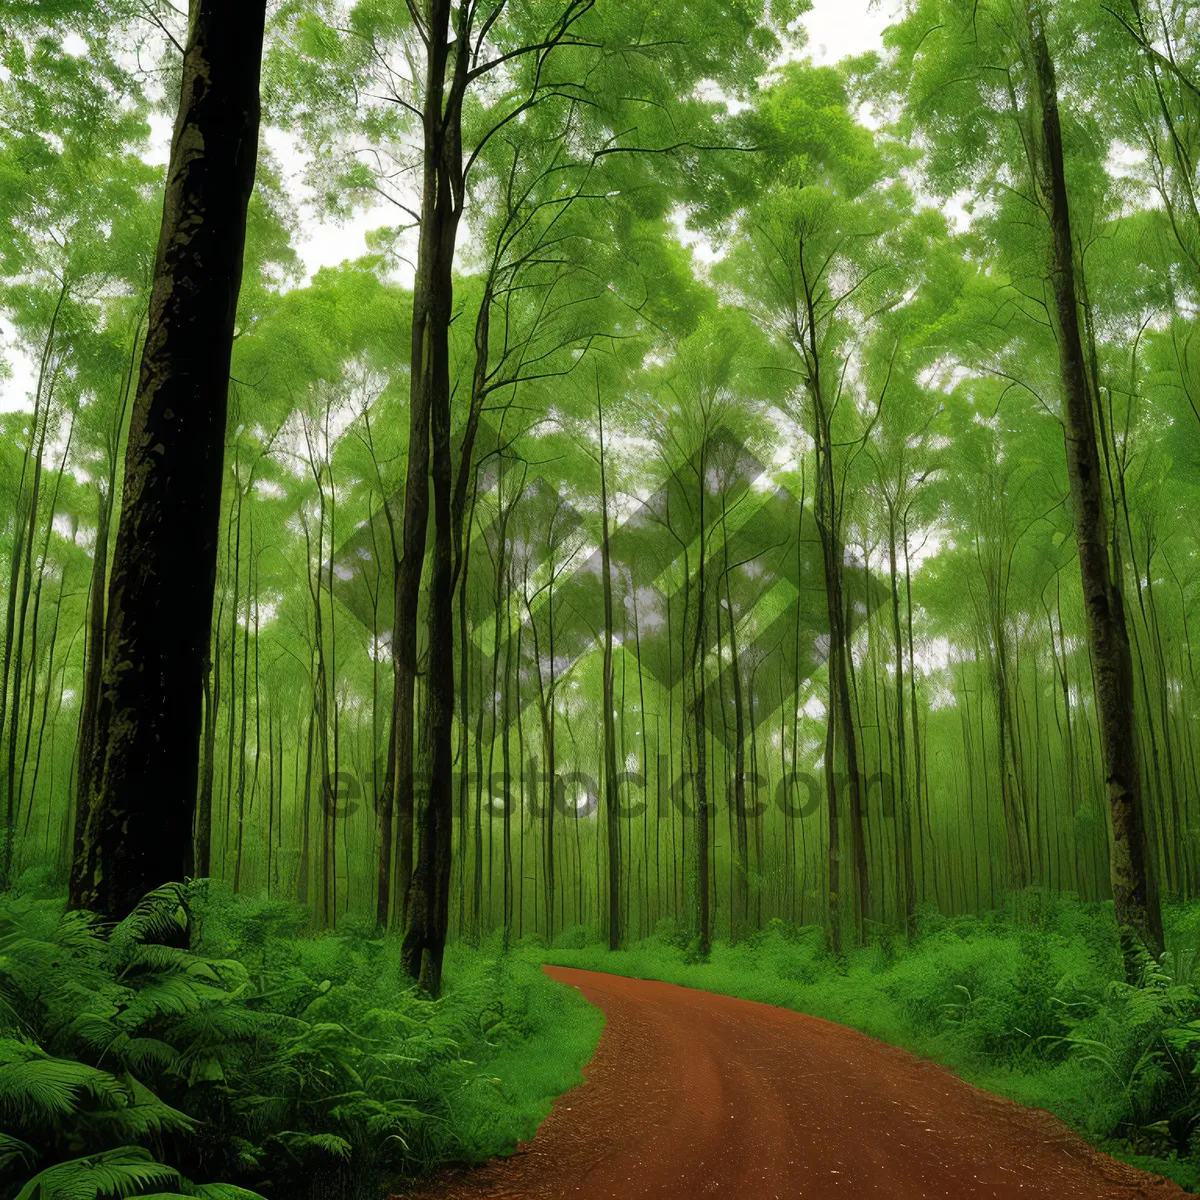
1135 897
739 892
387 805
611 801
699 725
92 671
838 721
202 867
385 801
904 816
304 872
427 906
138 829
918 772
18 678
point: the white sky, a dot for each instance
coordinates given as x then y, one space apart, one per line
836 28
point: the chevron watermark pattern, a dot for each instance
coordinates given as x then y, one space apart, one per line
717 523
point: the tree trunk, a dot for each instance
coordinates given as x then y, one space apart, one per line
611 800
904 816
92 671
202 865
387 801
138 830
429 402
739 892
1135 896
838 719
699 723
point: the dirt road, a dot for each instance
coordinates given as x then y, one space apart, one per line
692 1095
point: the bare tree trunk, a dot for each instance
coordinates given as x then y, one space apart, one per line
138 830
1135 896
838 719
699 723
92 671
387 801
433 293
611 800
739 892
904 816
202 865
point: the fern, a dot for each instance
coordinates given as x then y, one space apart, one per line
224 1191
270 1061
326 1143
160 913
33 1085
13 1150
122 1171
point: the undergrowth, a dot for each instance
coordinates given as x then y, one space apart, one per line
208 1047
1030 1003
206 1038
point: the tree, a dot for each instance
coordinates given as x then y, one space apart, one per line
1134 894
987 75
138 829
816 256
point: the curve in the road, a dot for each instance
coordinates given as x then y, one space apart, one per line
693 1094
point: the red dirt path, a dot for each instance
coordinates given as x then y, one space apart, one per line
692 1095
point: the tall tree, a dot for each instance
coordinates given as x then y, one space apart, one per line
987 80
1134 894
818 257
138 829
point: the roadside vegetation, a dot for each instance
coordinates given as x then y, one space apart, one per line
212 1045
207 1046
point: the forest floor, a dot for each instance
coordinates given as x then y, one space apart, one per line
694 1094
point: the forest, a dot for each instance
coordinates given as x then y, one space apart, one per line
731 525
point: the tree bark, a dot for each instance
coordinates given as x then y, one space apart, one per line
904 816
138 828
202 864
1135 897
92 671
429 453
611 800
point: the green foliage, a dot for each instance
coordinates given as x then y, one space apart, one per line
573 938
130 1064
675 222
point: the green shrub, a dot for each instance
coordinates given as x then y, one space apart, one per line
574 937
291 1066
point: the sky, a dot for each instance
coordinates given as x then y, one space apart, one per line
836 28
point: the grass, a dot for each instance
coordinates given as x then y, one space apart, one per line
1029 1003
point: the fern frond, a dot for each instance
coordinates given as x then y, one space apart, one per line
157 914
147 1053
207 1191
147 1114
168 995
327 1143
13 1150
225 1191
35 1086
120 1172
